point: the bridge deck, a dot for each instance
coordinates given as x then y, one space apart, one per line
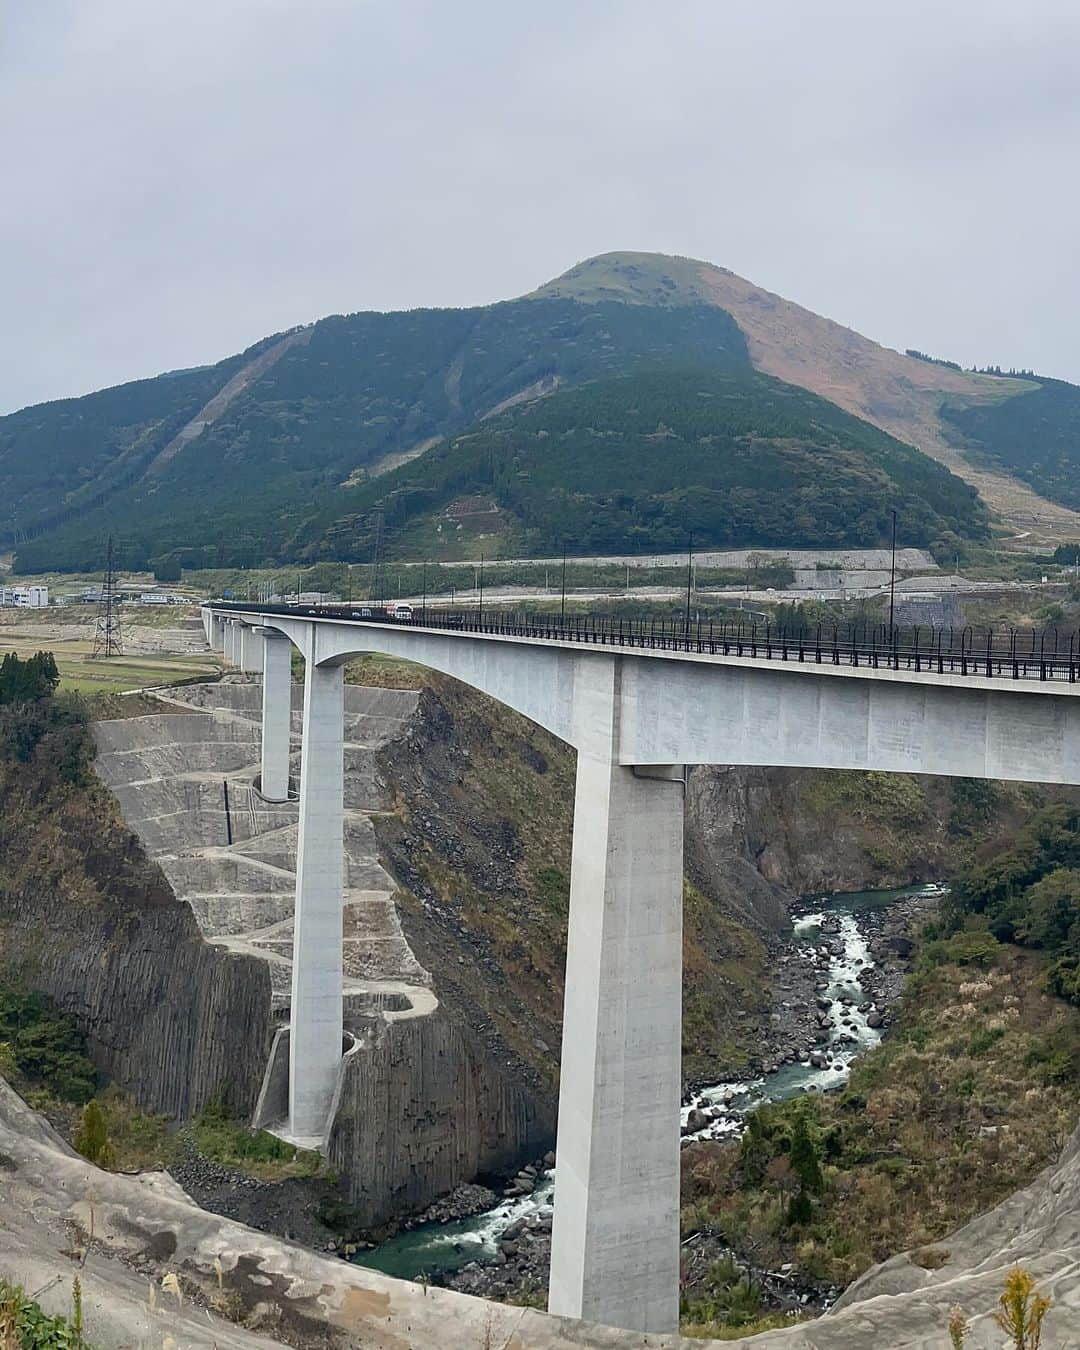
1022 658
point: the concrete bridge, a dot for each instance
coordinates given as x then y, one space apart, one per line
637 707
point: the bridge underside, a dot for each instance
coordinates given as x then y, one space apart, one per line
635 718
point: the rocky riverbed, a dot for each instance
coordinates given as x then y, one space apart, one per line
801 985
836 984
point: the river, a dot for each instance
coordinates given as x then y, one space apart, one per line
440 1248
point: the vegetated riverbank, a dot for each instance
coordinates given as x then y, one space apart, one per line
967 1098
845 962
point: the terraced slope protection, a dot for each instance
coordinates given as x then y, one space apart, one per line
235 866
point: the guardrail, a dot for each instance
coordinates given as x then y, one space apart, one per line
990 653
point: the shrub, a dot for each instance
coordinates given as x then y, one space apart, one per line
799 1211
44 1046
983 1039
805 1162
92 1138
963 949
24 1326
1021 1310
727 1297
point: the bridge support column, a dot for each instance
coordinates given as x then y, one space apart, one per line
615 1245
217 633
232 642
276 714
251 657
316 1016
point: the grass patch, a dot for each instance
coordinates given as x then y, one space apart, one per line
220 1137
386 672
552 887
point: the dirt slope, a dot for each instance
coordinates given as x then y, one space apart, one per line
898 393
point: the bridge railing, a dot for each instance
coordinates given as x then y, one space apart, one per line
996 653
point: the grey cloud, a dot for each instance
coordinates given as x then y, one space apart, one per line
180 179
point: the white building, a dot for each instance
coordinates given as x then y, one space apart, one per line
24 597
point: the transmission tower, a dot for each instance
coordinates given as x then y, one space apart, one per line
108 639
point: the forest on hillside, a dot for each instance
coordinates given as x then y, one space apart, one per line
1035 435
282 453
642 463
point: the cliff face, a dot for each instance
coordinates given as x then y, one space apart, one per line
176 1022
806 831
423 1107
423 1101
86 917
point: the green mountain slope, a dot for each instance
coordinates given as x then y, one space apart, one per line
69 452
1035 435
640 462
354 392
280 453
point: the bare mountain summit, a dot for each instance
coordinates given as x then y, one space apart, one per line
900 394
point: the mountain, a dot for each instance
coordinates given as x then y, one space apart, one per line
641 461
271 455
969 421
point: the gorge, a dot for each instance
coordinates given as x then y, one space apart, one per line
457 885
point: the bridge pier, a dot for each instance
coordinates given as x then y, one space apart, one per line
250 657
316 1011
615 1244
228 649
276 714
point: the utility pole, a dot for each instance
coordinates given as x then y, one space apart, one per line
689 581
423 610
108 639
562 606
892 576
480 586
376 581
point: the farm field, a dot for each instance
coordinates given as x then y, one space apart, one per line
155 654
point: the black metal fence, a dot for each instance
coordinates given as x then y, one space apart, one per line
1024 654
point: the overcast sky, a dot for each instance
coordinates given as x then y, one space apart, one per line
181 177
